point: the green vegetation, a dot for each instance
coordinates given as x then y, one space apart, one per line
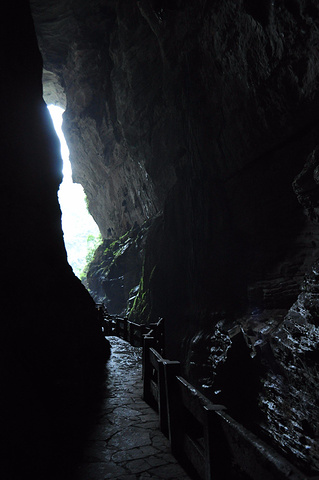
141 308
113 270
99 261
119 246
87 203
93 242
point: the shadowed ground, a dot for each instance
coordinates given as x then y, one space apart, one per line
124 441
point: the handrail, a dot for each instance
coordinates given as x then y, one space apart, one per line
130 331
154 386
200 433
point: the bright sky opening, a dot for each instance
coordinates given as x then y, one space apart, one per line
77 223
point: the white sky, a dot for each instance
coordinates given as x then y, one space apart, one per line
77 223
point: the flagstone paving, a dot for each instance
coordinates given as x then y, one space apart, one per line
124 441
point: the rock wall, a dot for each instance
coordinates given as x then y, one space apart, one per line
114 275
106 118
204 117
51 345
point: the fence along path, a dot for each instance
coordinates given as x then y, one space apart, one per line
202 435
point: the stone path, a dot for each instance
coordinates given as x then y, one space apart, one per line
125 442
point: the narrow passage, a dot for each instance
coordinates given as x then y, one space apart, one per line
125 442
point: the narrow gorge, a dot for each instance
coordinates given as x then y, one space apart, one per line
193 127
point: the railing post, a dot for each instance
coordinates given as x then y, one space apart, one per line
158 333
109 327
147 369
162 407
216 447
117 327
209 434
142 332
145 329
125 332
161 336
105 327
171 370
133 334
129 332
100 315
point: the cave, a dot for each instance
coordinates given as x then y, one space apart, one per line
193 129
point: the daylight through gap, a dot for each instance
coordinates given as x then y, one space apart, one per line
81 233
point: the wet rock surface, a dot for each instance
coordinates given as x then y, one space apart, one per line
264 369
124 441
290 396
114 274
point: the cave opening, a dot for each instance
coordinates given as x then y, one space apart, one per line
80 232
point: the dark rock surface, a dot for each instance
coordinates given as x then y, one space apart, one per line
114 275
290 395
51 344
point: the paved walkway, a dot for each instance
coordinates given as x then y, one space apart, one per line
125 442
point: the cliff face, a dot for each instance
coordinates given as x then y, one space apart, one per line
108 111
203 116
51 345
207 112
114 275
